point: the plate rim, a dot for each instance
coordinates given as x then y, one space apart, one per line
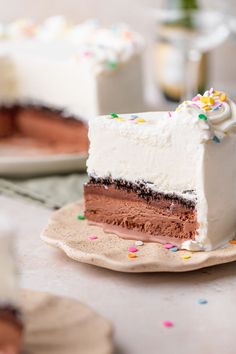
210 257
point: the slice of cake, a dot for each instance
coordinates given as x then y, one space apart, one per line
166 177
72 71
11 325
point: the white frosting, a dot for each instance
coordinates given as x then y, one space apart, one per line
20 29
104 48
55 27
175 152
90 71
8 272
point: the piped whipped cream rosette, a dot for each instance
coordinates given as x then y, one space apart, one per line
214 112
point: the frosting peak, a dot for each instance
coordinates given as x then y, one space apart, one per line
214 111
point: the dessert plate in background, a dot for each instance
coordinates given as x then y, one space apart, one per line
90 244
17 166
58 325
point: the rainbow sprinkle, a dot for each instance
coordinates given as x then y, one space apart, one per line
168 324
132 249
202 301
185 256
140 120
216 139
132 255
112 65
139 243
114 115
210 101
134 118
92 237
202 116
174 249
81 217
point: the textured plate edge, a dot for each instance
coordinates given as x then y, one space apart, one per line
210 258
109 335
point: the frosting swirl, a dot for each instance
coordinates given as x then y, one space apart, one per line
214 111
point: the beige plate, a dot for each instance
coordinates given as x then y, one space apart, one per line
109 251
57 325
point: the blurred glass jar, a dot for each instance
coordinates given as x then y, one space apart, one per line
170 59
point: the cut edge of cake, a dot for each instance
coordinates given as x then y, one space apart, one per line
166 176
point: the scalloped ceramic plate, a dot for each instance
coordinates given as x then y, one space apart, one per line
59 325
71 235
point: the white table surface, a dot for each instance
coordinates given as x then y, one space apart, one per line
135 303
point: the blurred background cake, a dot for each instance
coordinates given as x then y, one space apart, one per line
11 325
55 76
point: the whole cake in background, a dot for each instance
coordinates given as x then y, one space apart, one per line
11 325
56 75
166 176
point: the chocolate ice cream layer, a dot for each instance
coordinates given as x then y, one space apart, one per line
136 212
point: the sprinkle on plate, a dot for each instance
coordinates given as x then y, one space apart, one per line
139 243
168 246
132 249
93 237
132 255
81 217
185 256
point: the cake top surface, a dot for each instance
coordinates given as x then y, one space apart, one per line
211 116
104 48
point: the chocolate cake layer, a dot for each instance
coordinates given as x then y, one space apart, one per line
48 125
137 212
12 316
6 122
42 128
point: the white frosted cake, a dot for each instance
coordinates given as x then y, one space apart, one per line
11 326
166 176
59 70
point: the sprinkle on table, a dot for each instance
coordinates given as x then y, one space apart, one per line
185 256
202 301
139 243
168 323
132 255
140 120
132 249
120 119
216 139
92 237
134 116
81 217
